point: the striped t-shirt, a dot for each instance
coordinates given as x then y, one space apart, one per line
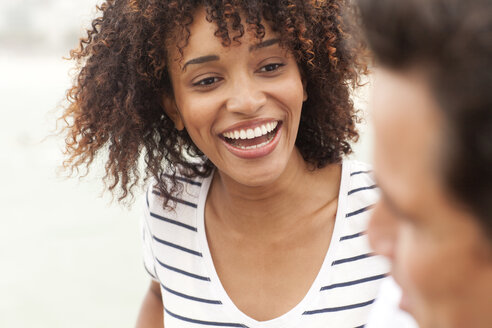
176 254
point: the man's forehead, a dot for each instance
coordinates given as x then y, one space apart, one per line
407 126
403 104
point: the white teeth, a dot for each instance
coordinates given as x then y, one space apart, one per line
254 146
264 130
258 132
251 133
272 125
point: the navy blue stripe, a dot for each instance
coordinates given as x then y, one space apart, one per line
181 248
351 259
361 188
340 308
360 172
192 275
360 326
189 181
206 323
355 235
359 211
193 298
354 282
181 224
182 201
147 199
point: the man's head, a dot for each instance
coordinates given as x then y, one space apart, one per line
433 154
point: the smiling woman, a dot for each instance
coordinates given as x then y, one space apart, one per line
242 108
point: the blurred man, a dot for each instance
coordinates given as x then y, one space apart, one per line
433 155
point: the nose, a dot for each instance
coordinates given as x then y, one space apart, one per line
382 231
245 96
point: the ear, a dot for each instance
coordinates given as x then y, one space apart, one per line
170 108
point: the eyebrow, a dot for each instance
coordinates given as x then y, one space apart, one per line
200 60
387 198
264 44
391 204
397 210
208 58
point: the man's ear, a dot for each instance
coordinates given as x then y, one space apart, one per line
170 108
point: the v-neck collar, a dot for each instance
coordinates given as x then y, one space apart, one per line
294 315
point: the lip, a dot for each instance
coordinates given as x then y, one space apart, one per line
256 152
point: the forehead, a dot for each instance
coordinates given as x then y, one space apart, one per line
205 37
408 128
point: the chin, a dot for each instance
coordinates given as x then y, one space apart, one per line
255 175
258 180
405 303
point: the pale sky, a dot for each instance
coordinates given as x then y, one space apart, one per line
44 25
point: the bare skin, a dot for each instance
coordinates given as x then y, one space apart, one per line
151 312
270 244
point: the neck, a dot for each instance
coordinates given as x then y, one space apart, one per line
262 210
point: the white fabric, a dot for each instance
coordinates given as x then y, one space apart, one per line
177 255
386 312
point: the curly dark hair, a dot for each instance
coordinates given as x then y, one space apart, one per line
451 42
116 100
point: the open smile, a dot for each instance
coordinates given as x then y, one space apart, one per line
254 141
253 137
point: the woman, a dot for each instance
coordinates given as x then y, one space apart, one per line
243 115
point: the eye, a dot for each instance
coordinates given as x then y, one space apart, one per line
271 67
396 212
206 82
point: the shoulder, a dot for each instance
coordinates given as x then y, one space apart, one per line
181 210
186 195
359 176
359 170
359 186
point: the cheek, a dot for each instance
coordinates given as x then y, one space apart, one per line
199 115
412 263
196 110
289 91
426 266
295 93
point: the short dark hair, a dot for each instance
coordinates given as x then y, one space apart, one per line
451 42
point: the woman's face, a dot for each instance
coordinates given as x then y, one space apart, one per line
241 104
439 253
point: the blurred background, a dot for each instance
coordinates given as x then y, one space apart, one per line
69 255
